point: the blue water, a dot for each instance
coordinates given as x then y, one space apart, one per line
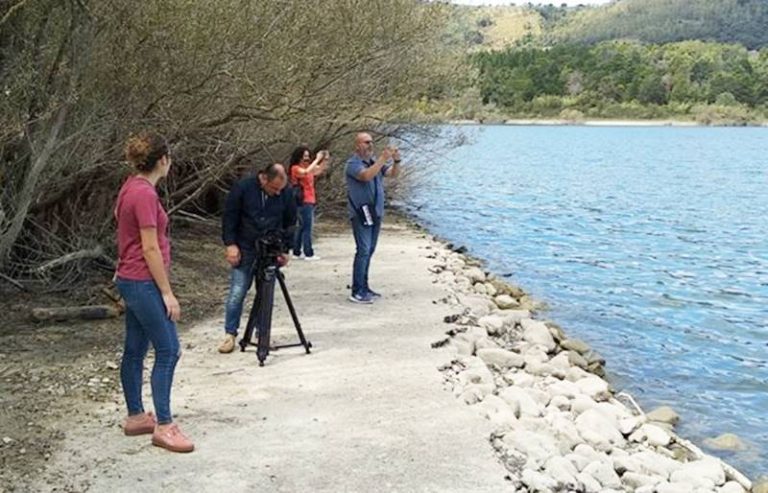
651 244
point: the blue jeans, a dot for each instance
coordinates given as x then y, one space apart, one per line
303 238
146 320
366 238
240 280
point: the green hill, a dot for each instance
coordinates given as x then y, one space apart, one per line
664 21
491 28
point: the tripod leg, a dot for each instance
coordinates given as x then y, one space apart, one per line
266 297
252 318
284 289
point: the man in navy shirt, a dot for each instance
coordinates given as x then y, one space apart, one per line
255 206
365 204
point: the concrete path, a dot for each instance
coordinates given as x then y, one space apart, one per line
365 412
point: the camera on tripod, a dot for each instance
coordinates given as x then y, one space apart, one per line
269 251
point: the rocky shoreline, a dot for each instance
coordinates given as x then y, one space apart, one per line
558 424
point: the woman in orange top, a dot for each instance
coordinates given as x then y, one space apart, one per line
303 171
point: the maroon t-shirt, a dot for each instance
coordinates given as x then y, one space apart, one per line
138 206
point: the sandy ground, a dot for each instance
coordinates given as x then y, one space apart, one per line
366 411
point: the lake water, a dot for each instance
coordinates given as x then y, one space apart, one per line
649 243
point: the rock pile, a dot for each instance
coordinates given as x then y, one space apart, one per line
559 426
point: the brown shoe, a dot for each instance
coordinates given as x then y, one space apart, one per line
171 438
228 345
139 424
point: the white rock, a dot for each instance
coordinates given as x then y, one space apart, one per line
473 394
478 305
561 361
540 369
521 401
538 333
560 402
512 317
476 333
666 487
623 464
500 358
519 379
664 414
591 485
582 403
476 374
587 451
654 435
534 355
579 461
575 345
628 425
537 481
479 288
485 343
564 430
708 468
564 388
598 430
614 410
490 289
726 441
731 487
538 447
506 302
604 474
475 274
574 374
462 345
539 396
462 283
561 470
497 411
635 480
655 464
493 324
595 387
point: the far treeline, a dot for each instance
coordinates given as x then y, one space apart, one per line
662 21
232 84
705 81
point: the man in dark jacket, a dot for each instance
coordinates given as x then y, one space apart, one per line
256 206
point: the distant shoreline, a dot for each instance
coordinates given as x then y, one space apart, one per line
601 123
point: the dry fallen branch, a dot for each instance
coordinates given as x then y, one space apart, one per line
94 253
93 312
13 282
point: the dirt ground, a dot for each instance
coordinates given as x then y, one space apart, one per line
49 371
368 410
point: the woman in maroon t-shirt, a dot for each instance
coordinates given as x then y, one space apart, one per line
302 171
151 309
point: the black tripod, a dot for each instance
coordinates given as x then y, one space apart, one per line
265 274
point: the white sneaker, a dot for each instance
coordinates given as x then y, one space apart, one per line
312 258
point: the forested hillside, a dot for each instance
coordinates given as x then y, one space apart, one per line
624 79
663 21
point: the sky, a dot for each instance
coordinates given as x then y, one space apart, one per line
522 2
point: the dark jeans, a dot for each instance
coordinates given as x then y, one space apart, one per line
303 237
366 238
240 280
146 320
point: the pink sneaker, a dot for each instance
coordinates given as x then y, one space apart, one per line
170 437
139 424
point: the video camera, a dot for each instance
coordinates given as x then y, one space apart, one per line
269 247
